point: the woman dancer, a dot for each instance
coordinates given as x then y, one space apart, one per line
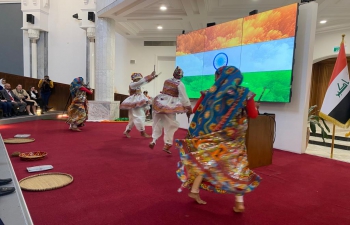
137 103
214 155
77 111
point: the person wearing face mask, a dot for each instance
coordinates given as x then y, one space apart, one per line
137 103
172 100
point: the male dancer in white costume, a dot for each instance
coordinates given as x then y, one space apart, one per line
136 103
172 100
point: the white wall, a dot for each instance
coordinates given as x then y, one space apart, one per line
66 42
325 42
163 57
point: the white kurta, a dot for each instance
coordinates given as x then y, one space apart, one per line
137 104
167 117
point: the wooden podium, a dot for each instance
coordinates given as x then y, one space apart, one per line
259 140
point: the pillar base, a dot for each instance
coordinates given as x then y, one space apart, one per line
103 110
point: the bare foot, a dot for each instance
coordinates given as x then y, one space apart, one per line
126 133
196 197
76 129
144 134
239 207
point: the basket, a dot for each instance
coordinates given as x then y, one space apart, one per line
45 181
32 156
18 140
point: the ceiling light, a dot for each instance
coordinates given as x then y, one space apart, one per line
159 27
163 8
323 21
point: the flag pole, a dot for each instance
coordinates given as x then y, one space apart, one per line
333 136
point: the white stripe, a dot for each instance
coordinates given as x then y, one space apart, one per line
331 100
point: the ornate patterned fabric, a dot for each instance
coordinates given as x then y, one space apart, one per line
168 101
170 88
136 75
220 103
78 111
75 85
136 98
216 147
178 73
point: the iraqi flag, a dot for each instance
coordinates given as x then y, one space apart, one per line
336 103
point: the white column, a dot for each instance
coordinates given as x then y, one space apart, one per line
104 107
34 36
91 35
105 59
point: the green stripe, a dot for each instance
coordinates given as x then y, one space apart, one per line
277 83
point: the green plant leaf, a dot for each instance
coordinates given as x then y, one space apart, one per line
311 109
325 125
312 127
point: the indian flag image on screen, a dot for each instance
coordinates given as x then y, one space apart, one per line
261 46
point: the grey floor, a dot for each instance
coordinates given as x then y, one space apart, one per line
13 209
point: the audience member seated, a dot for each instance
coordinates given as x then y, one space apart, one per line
6 106
34 95
18 105
24 96
2 83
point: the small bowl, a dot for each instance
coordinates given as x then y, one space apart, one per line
31 156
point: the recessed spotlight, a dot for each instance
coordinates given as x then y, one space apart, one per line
163 8
323 21
159 27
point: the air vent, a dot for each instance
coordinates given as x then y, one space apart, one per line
159 43
132 61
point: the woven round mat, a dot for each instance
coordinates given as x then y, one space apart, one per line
45 181
18 140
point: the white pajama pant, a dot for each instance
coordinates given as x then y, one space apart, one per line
137 118
166 121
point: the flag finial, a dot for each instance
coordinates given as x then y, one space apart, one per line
343 36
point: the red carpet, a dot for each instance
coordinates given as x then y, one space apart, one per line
121 181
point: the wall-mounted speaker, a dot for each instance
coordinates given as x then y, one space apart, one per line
30 18
91 16
211 24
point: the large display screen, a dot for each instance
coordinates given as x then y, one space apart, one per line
261 46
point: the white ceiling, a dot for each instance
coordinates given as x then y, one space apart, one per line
140 18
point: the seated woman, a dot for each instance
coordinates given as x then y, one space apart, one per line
214 155
24 96
78 111
34 95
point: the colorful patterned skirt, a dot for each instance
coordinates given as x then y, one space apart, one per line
77 113
221 158
167 104
135 101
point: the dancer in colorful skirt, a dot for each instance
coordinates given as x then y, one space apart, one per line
78 111
137 103
214 156
173 99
